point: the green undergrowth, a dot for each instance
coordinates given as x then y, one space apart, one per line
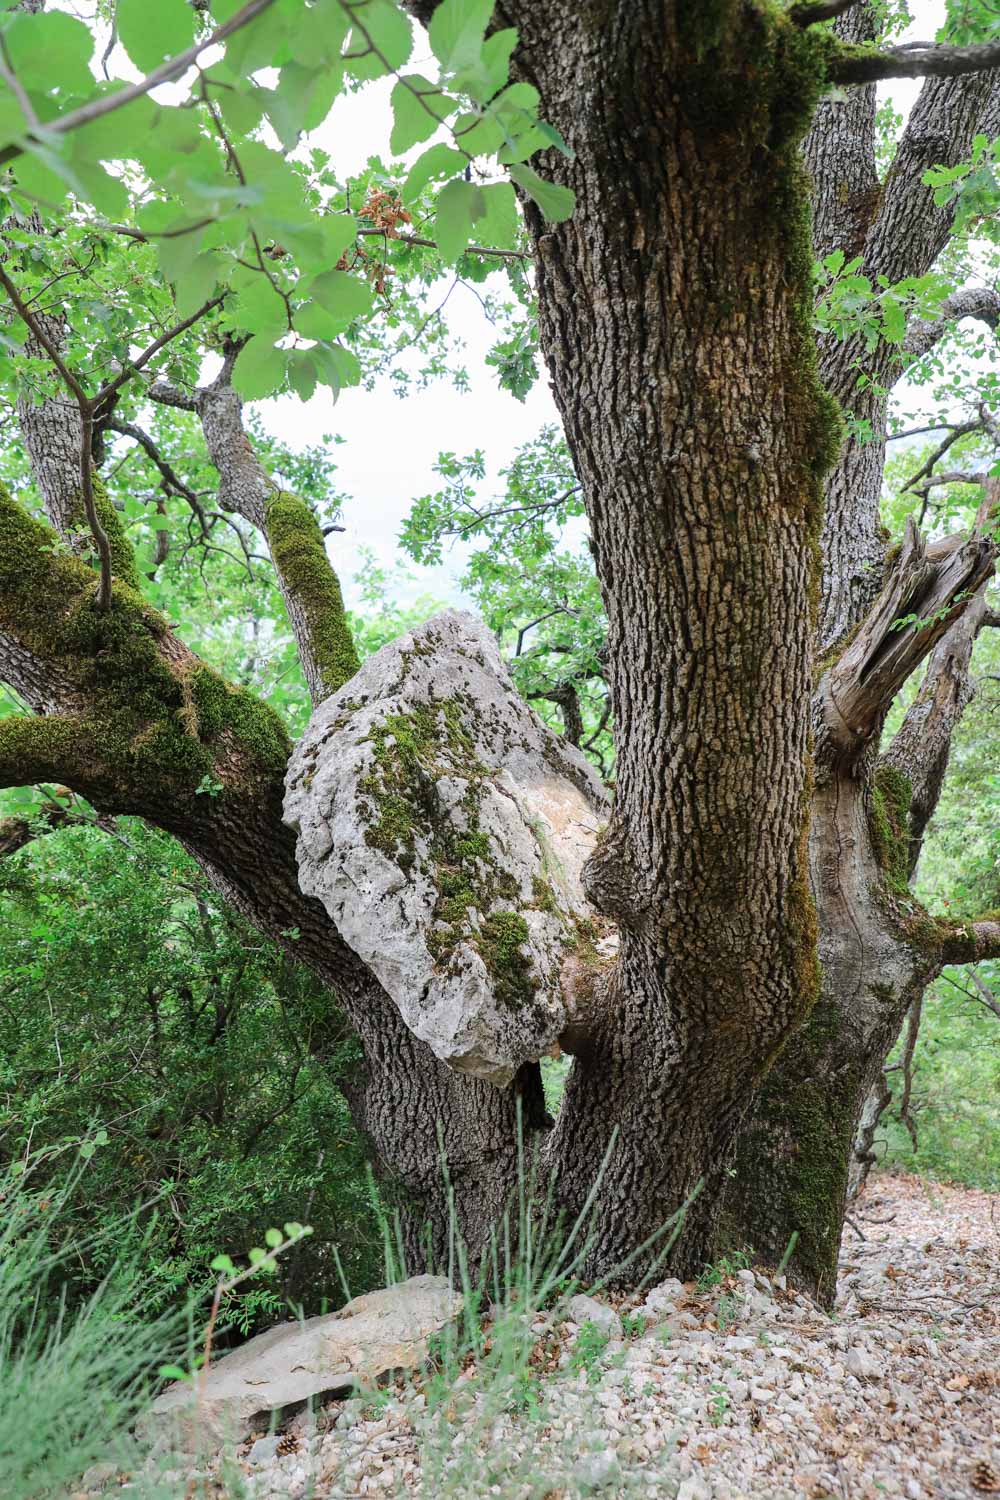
71 1382
955 1103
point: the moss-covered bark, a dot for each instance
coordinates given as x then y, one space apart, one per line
312 589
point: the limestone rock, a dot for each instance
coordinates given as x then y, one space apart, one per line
444 828
584 1309
382 1331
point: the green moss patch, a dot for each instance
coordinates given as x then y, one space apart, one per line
299 555
149 718
475 895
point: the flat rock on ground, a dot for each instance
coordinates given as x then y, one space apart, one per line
385 1330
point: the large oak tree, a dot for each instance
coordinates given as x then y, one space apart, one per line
758 854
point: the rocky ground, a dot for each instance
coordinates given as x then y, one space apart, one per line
738 1390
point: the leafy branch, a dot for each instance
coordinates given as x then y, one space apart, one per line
96 109
90 405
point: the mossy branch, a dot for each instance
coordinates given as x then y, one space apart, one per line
852 64
34 750
809 13
971 942
157 720
312 591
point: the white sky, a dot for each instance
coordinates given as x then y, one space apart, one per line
391 443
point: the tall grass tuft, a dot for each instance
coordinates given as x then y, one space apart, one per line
73 1373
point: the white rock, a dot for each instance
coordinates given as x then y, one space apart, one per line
666 1294
595 1471
585 1309
861 1364
384 1330
694 1488
264 1450
426 779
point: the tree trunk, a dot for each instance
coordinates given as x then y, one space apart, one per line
674 314
877 949
676 319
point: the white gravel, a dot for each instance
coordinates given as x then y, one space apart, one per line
746 1392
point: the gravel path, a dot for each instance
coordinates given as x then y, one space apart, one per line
742 1391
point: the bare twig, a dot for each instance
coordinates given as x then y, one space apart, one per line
133 366
927 469
172 480
811 11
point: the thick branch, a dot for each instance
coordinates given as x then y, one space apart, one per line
34 750
309 585
914 62
820 10
981 303
921 747
911 229
971 942
927 591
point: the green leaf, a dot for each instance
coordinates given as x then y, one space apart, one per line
259 370
302 100
196 286
177 246
257 1256
273 1237
108 194
222 1263
893 321
336 367
457 29
302 373
418 106
430 166
293 1229
51 51
262 43
501 223
173 1372
459 205
555 201
343 296
381 40
150 33
41 175
319 34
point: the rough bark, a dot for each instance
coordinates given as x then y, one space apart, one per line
899 231
685 381
878 950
